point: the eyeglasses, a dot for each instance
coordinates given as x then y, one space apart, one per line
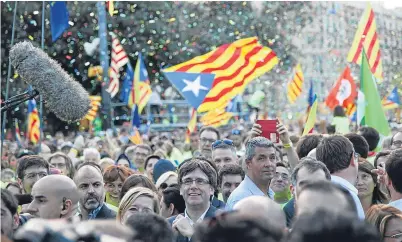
355 155
394 236
205 140
31 176
218 142
397 143
198 181
236 132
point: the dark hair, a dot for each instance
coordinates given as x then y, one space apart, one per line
150 227
394 169
335 152
380 154
28 161
307 143
327 187
78 164
371 135
331 129
332 227
359 144
339 111
230 169
171 195
212 129
113 173
150 157
67 159
201 164
135 180
312 165
378 195
9 201
236 227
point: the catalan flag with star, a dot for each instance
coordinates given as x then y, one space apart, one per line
230 66
392 100
367 37
296 85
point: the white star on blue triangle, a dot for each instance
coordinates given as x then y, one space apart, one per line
193 86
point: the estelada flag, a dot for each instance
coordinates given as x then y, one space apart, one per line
344 92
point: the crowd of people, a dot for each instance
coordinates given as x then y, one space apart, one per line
236 186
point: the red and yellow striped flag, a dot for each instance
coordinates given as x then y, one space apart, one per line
235 65
351 109
136 137
95 104
296 85
366 37
33 130
192 125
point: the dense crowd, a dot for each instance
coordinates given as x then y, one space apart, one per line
221 186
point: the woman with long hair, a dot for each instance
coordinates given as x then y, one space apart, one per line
387 220
369 191
137 200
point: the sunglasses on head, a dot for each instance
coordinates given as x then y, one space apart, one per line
236 132
218 142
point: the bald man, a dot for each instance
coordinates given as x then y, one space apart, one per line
54 196
263 209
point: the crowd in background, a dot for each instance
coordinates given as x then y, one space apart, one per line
222 185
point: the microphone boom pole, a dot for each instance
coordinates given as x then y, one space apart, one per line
3 124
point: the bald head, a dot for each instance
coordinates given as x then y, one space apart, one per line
54 196
262 208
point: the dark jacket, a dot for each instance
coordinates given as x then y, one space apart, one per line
180 238
106 213
218 203
289 210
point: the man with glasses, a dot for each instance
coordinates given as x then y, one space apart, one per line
138 154
197 181
30 169
223 153
396 140
260 167
337 153
208 135
237 138
281 184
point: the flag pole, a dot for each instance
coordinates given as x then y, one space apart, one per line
104 59
3 125
42 44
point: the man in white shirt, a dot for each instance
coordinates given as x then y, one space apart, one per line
337 153
393 167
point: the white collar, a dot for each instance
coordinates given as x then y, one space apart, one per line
343 182
199 220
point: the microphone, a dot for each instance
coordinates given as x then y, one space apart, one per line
65 97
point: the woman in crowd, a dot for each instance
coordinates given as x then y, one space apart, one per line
149 165
114 177
166 179
136 180
368 186
388 221
62 162
137 200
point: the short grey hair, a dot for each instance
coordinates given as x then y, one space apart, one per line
256 142
91 150
312 165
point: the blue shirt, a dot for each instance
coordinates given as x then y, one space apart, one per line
246 188
353 192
